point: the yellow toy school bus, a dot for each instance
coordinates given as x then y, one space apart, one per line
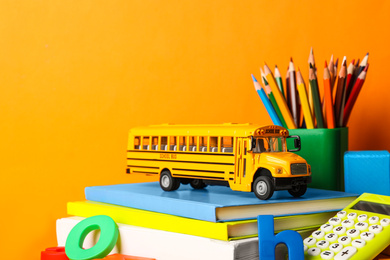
243 157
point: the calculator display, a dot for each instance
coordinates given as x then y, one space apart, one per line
372 207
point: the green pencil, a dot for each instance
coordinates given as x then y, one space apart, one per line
279 80
273 102
316 97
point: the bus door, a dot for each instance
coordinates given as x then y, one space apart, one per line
240 159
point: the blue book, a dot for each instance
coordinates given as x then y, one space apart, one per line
217 203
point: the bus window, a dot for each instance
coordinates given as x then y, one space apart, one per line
203 144
227 144
270 144
137 142
145 142
214 144
154 142
193 143
182 143
164 143
173 143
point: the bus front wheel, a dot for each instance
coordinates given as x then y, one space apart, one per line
167 182
263 187
298 190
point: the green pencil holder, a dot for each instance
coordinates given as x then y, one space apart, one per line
324 150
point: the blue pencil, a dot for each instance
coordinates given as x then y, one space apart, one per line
266 102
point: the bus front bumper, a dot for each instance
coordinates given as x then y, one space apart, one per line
288 183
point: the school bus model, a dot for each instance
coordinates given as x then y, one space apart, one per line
243 157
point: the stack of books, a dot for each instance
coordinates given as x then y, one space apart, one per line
211 223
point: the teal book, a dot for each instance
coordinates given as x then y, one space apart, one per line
217 203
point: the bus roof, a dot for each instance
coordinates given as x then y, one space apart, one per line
227 129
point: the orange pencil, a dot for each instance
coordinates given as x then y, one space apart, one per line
328 101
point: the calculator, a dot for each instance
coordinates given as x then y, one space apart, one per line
359 232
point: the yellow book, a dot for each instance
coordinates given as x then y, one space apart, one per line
221 230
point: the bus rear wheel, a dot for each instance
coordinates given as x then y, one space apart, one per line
197 184
167 182
298 190
263 187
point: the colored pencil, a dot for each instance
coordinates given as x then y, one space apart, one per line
279 81
267 104
340 92
316 97
354 95
311 62
328 100
271 97
287 92
279 98
331 72
304 101
348 84
293 95
363 64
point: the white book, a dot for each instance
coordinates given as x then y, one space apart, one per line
163 245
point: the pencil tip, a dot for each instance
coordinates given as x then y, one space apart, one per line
326 64
253 78
353 61
366 68
265 81
337 62
291 59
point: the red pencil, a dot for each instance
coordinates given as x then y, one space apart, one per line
348 84
354 95
328 100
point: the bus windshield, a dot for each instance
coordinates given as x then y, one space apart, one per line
270 144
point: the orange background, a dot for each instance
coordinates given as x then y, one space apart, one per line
76 75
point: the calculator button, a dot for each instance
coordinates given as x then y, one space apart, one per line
309 241
352 215
359 243
326 227
345 240
373 220
375 228
336 247
341 214
385 222
327 254
339 230
348 223
318 234
361 225
346 253
334 221
367 235
353 233
314 251
362 217
331 237
323 244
